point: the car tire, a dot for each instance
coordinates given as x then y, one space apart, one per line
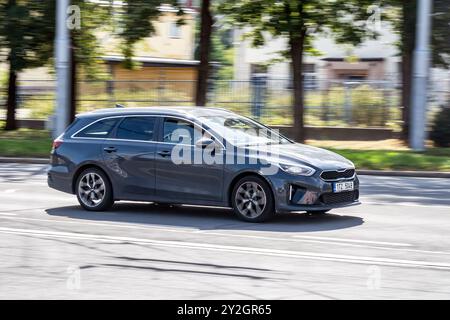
252 200
94 191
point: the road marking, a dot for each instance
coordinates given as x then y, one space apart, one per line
236 249
301 239
206 232
405 204
355 241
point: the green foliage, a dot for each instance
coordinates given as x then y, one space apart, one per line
26 32
405 25
85 42
440 132
440 35
222 53
291 18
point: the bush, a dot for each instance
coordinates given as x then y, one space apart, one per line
440 132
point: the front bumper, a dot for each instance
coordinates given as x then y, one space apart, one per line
297 193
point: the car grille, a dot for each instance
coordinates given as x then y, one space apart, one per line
335 175
340 197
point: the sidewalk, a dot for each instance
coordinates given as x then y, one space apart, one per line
390 173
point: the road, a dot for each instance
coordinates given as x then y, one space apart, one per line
394 246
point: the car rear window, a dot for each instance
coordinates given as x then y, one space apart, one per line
136 128
99 129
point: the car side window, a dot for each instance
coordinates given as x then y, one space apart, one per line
179 131
99 129
136 128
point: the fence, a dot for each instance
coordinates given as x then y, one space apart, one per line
327 102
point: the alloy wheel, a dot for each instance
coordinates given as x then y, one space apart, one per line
91 189
250 199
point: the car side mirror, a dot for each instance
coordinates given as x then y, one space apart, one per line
204 142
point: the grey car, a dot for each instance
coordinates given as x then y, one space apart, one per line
197 156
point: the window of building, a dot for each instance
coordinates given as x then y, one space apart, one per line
136 128
99 129
256 68
174 30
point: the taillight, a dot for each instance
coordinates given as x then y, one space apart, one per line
56 143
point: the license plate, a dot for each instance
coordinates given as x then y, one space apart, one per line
343 186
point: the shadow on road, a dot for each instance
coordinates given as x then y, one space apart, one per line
206 218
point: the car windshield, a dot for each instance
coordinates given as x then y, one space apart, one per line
242 131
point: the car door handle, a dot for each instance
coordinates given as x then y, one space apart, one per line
110 149
164 153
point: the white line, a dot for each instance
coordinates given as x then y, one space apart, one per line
302 239
206 232
7 214
404 204
240 249
355 241
10 191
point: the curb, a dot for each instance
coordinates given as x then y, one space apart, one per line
386 173
24 160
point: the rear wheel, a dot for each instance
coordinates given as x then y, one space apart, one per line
94 191
252 200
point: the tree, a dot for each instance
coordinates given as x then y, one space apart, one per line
24 36
294 20
440 45
205 51
84 47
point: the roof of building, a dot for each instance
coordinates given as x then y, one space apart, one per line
154 61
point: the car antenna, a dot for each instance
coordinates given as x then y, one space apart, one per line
119 105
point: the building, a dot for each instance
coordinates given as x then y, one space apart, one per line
168 54
372 60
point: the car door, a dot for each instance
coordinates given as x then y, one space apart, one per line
129 156
181 180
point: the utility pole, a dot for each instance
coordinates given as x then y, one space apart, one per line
420 76
62 68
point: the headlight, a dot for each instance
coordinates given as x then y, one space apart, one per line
298 169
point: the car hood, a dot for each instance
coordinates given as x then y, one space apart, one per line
317 157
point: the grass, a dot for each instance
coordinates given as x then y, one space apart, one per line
25 143
430 160
384 155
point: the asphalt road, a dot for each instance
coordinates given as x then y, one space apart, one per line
394 246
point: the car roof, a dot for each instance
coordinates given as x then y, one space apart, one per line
165 110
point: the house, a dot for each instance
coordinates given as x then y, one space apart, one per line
167 55
372 60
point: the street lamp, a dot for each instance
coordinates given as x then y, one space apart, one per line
420 76
62 64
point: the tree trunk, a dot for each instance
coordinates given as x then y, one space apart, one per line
11 103
296 52
406 94
73 83
408 44
205 49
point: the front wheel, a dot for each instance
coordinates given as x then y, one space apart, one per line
252 200
94 191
